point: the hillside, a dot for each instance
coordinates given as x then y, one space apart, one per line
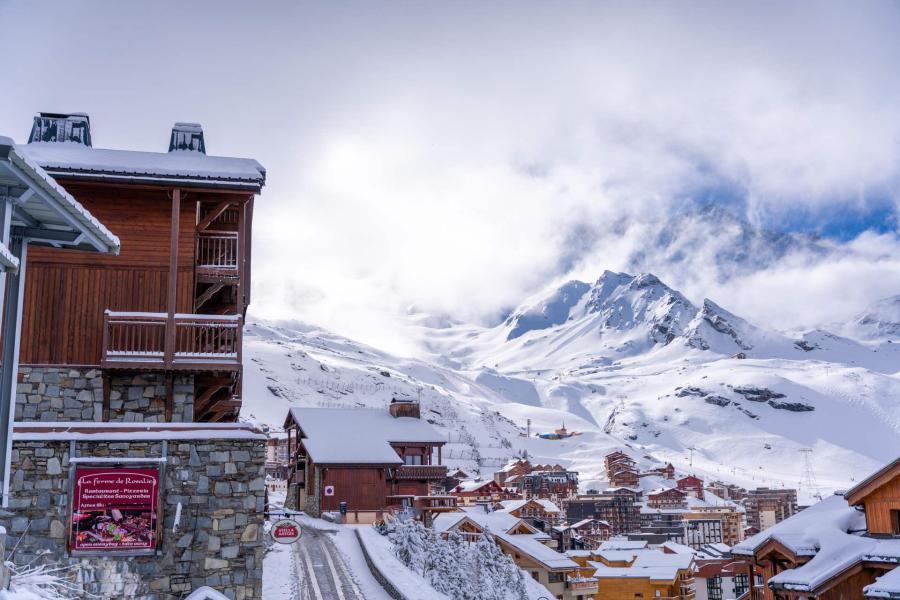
628 362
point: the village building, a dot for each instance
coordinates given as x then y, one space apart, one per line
667 498
845 547
364 462
666 472
728 491
721 578
511 469
277 456
537 512
619 508
586 534
121 363
551 483
765 507
481 492
621 470
529 548
626 570
691 485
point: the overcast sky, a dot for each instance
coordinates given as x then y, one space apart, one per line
457 157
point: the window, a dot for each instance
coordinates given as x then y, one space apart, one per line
553 577
714 588
534 575
895 522
639 594
740 584
412 459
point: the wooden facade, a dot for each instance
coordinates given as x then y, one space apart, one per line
174 298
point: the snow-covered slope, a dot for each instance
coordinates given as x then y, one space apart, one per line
627 361
881 321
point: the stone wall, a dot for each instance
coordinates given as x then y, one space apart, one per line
219 483
76 394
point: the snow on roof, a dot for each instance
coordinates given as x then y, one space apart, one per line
829 531
8 262
677 548
872 477
470 485
43 182
511 505
90 430
76 160
886 586
648 564
532 546
359 435
623 544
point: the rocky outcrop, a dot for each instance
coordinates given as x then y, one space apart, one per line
757 394
791 406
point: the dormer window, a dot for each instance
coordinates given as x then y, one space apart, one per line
412 459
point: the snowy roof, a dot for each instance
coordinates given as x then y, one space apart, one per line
648 564
8 262
359 435
531 545
471 485
829 531
511 505
886 586
623 544
48 203
70 159
90 430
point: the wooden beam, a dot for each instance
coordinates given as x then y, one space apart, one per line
106 392
170 396
213 215
173 278
202 402
224 406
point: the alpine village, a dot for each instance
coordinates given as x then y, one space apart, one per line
128 471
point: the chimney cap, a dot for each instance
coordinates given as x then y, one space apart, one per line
61 127
187 137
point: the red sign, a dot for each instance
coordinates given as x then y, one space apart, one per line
114 508
285 531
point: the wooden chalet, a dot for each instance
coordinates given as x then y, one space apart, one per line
691 485
843 548
166 312
371 461
621 470
477 491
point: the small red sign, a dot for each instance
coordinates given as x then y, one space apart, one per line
114 509
285 531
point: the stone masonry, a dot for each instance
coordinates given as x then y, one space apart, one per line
220 484
76 394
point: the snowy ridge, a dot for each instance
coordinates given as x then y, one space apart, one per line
627 362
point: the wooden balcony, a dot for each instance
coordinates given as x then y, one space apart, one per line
436 503
217 256
582 585
186 342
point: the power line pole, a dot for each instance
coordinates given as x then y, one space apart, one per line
809 478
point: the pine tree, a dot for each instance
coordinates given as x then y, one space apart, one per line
409 545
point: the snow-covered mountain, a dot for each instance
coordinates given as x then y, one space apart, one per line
627 361
881 321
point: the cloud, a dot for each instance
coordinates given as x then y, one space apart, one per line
459 156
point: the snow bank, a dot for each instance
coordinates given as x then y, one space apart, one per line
410 585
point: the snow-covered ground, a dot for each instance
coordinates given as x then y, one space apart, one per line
628 363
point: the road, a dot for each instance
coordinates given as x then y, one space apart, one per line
322 572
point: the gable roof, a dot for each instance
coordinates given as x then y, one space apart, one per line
829 532
886 586
358 435
886 473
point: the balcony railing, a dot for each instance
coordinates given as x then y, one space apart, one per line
217 253
422 472
582 583
186 342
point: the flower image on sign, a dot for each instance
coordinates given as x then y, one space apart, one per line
114 509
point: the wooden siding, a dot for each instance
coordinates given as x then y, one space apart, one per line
67 291
879 505
362 488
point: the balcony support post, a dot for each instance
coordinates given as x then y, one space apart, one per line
170 396
173 279
106 392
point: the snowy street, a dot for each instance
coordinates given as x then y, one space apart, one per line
322 571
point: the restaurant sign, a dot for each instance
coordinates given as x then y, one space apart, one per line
114 509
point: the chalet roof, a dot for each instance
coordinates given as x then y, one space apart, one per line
648 564
830 532
73 160
857 492
359 435
547 505
886 586
45 208
472 485
531 545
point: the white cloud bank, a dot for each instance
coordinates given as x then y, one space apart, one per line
459 156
